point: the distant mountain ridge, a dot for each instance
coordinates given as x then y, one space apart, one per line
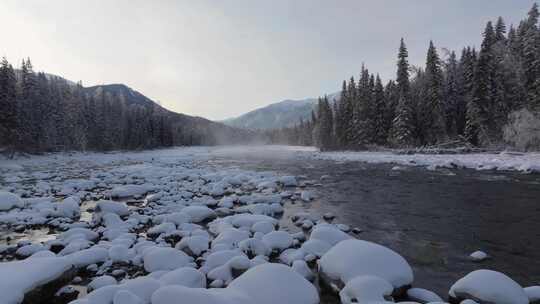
277 115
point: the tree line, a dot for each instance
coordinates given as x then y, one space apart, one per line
478 98
41 112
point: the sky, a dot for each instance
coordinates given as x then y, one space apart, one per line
222 58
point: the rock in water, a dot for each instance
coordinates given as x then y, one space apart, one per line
353 258
533 293
488 286
478 256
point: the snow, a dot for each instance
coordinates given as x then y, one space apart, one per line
17 278
489 286
423 295
9 201
226 225
275 283
365 289
130 190
533 292
185 276
278 240
478 256
101 281
524 162
352 258
165 259
199 213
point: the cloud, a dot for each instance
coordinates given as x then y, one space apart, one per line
222 58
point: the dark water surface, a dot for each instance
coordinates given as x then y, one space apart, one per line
435 219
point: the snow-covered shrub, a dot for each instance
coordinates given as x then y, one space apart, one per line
523 130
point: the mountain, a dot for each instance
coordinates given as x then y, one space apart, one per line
281 114
187 129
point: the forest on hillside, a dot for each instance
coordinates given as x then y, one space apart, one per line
488 98
42 112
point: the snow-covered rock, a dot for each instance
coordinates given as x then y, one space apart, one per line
366 289
185 276
278 240
165 258
275 283
101 281
9 201
533 292
488 286
130 190
199 213
423 295
20 277
352 258
478 256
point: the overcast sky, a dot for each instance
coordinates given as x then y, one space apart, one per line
222 58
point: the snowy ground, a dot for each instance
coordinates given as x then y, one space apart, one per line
158 226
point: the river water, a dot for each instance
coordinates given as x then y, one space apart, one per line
435 219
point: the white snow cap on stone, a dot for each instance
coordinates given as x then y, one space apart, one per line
9 201
478 256
366 289
275 283
165 258
17 278
489 286
423 295
352 258
533 292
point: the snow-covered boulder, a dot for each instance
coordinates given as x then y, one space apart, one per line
185 276
328 233
288 181
274 283
278 240
198 214
141 287
9 201
533 292
172 293
165 258
366 289
20 277
118 208
101 281
69 207
352 258
478 256
130 190
488 286
423 295
88 256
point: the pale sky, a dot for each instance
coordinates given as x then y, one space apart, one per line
222 58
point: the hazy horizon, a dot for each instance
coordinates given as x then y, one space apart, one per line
222 59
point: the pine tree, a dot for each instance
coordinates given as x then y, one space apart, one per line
531 57
453 99
433 118
380 130
8 104
402 125
479 109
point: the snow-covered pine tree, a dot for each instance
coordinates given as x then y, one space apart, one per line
433 106
479 109
380 130
402 125
453 99
8 105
